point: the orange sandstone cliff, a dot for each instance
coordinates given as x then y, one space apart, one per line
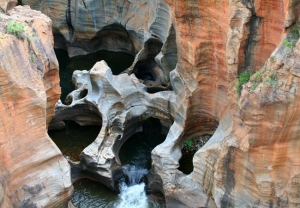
33 172
200 48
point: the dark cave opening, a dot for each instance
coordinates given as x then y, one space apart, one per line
198 131
113 37
147 69
117 61
72 139
135 157
144 70
190 147
136 150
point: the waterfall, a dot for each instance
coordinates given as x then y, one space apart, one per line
133 193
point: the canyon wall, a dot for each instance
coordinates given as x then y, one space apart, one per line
33 172
250 160
217 41
200 48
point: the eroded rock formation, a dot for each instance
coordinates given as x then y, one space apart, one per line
250 161
141 28
33 172
121 103
254 148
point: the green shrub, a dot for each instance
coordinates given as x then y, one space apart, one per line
267 79
242 79
272 58
288 44
32 58
258 78
188 143
15 28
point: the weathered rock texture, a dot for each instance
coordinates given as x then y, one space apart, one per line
251 159
236 167
33 172
122 103
141 28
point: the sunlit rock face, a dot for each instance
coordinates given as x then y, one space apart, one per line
118 25
216 41
121 103
33 172
197 49
251 158
141 28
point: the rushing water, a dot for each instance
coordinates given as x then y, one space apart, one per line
133 191
135 154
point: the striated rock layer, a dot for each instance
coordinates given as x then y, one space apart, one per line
236 168
33 172
250 161
141 28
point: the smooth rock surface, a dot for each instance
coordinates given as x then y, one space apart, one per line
141 28
122 104
251 159
33 172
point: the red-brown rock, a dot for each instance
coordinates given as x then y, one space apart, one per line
33 171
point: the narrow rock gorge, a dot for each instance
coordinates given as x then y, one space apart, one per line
227 69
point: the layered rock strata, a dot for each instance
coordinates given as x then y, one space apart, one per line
250 160
141 28
33 172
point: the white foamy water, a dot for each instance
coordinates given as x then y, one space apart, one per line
134 174
133 195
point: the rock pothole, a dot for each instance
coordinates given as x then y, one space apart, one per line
74 138
190 147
